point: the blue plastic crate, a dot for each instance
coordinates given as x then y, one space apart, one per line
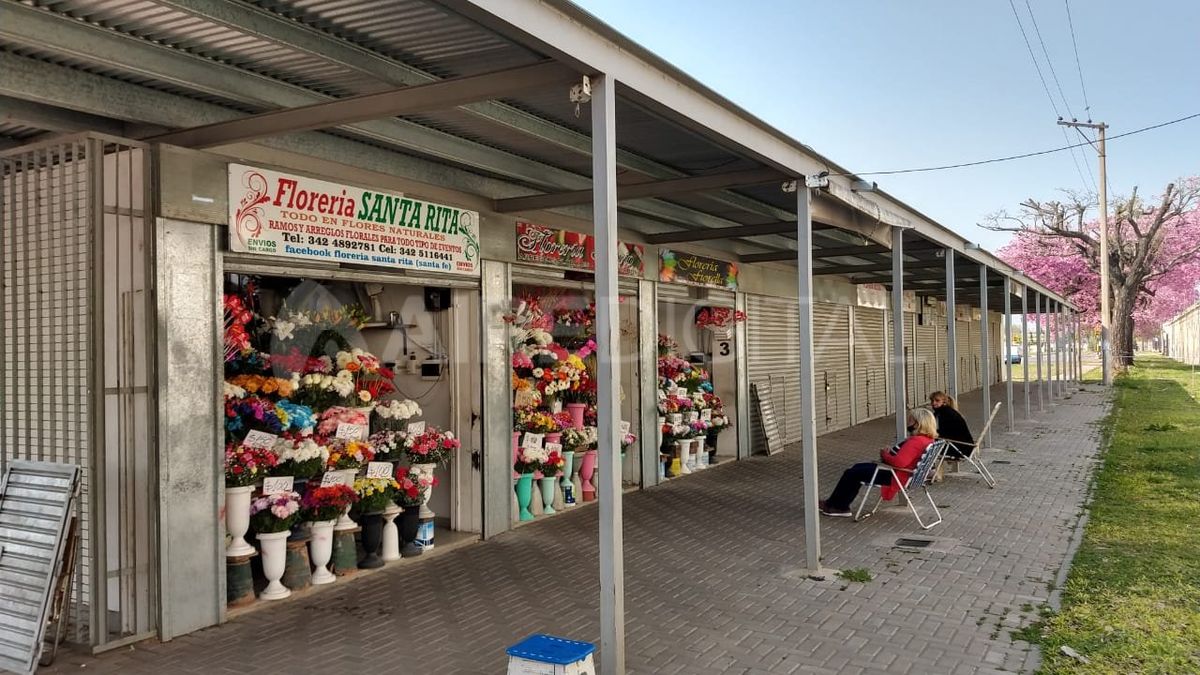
550 649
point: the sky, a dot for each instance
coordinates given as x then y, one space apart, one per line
879 85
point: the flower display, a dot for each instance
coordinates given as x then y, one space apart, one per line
396 412
300 457
246 466
553 464
322 391
233 391
580 440
627 439
348 454
237 332
253 413
374 494
267 385
413 486
718 317
666 345
530 460
536 421
333 417
431 446
275 513
327 502
388 445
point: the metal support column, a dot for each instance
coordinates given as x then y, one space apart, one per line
951 329
1008 383
1041 352
648 386
1025 346
1079 348
608 372
1056 355
985 359
808 414
899 385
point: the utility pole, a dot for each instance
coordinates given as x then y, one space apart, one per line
1105 315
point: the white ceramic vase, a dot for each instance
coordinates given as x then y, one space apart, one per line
320 549
274 561
685 456
237 521
426 470
701 455
390 549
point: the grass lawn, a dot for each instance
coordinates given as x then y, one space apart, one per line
1131 603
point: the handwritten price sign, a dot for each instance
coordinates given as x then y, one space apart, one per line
351 432
277 484
379 470
260 439
416 428
344 477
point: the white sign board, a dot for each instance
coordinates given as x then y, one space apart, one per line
532 441
351 432
343 477
292 216
416 428
706 414
276 484
625 427
554 447
260 439
379 469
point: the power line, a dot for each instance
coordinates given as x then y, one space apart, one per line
1037 66
1015 157
1087 107
1049 63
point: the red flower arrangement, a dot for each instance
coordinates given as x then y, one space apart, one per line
718 317
245 466
430 447
327 503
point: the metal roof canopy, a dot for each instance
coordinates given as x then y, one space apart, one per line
690 161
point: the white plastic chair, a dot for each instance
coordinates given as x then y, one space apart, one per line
975 459
917 478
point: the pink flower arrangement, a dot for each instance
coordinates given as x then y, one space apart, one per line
275 513
521 360
331 418
414 485
430 447
587 349
245 466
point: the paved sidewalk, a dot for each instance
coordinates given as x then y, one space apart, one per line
710 583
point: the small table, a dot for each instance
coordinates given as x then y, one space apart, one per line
549 655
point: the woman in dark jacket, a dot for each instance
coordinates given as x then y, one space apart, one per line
951 426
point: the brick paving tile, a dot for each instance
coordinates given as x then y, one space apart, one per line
710 577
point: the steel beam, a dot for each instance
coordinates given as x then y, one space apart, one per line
951 326
1008 381
738 231
420 98
1041 352
608 372
899 385
53 118
661 188
1025 346
985 358
807 393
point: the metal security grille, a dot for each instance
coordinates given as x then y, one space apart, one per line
772 335
870 364
831 373
966 374
76 359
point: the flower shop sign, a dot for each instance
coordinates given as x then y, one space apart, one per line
574 250
696 270
284 215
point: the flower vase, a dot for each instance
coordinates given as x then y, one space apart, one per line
297 574
372 537
700 454
237 520
410 522
663 460
547 484
516 449
576 411
239 582
586 470
576 483
661 422
685 456
568 489
426 471
555 437
525 495
535 501
344 522
345 552
320 548
390 549
273 547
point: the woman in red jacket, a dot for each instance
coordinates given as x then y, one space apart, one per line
903 455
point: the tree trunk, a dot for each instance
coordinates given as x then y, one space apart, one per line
1122 328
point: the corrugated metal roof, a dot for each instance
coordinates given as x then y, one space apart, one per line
18 132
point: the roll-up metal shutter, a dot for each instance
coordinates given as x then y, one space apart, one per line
831 373
996 346
912 394
773 356
890 405
870 364
963 354
975 363
927 365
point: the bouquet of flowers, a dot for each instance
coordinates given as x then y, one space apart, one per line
338 415
525 395
580 440
299 456
430 447
372 380
237 331
627 440
698 429
394 414
388 445
299 418
327 503
529 325
252 413
266 385
322 391
718 317
345 454
374 494
666 345
275 513
413 486
521 362
316 328
245 466
671 368
530 460
295 361
553 464
675 432
536 421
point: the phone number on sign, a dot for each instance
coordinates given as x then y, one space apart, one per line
351 245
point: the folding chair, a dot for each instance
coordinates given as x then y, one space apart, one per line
917 478
975 459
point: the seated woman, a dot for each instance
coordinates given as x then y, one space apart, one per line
951 425
903 455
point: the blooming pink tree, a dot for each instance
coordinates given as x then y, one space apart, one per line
1154 257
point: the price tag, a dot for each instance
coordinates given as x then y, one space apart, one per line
692 416
676 418
260 439
532 440
351 432
379 469
276 484
343 477
554 447
625 427
416 428
706 414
